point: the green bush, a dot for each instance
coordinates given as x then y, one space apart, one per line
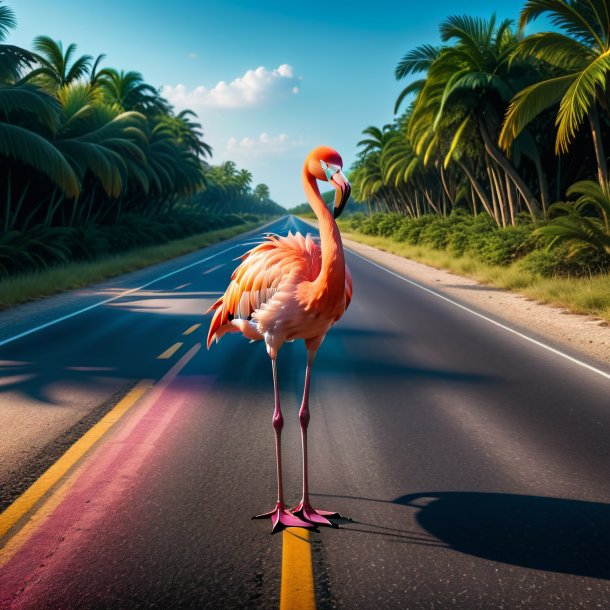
435 234
388 223
410 229
505 246
42 247
461 233
561 261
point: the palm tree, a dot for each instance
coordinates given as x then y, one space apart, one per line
375 140
575 226
57 69
187 132
261 191
410 182
29 120
415 61
470 82
12 59
579 66
94 73
244 180
129 91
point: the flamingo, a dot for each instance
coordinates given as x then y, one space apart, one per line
290 288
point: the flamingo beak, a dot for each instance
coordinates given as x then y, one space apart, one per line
343 188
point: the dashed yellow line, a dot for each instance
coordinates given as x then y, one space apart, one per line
168 353
192 329
26 501
297 591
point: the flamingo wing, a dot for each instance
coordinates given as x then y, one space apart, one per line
348 287
259 277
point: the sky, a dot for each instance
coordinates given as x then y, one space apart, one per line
269 80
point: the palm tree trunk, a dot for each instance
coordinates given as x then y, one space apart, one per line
511 200
33 212
444 182
52 208
17 211
494 194
543 184
430 202
477 187
500 190
596 132
496 154
558 179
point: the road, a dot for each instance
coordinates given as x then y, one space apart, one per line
475 464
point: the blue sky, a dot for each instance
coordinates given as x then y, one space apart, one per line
269 80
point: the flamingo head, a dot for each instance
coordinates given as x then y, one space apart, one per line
325 163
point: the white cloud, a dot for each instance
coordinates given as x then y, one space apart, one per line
253 88
263 144
193 55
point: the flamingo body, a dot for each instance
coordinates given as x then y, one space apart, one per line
289 288
275 293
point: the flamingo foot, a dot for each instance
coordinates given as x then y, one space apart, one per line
305 511
281 518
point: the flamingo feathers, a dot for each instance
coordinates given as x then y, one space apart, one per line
263 273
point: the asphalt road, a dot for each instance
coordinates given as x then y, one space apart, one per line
475 464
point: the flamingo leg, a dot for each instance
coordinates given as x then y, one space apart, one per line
280 516
304 510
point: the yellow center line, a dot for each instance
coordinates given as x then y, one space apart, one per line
28 500
168 353
297 592
192 329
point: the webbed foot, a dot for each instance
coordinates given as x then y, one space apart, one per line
305 511
281 518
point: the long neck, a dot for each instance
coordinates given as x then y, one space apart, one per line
333 259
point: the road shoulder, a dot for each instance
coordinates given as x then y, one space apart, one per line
585 335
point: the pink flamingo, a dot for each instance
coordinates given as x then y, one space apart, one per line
290 288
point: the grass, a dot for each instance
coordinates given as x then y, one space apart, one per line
585 295
31 286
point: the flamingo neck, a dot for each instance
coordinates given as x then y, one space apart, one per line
333 259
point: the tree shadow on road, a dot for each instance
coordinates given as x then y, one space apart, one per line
552 534
541 533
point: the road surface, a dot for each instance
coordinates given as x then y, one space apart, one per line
474 463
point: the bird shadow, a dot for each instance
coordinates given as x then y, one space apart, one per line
536 532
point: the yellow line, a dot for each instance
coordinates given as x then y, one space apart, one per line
192 329
37 517
168 353
297 592
26 501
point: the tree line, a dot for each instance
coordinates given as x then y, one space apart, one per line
85 145
497 122
228 187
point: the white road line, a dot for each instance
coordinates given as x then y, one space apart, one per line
479 315
214 268
123 294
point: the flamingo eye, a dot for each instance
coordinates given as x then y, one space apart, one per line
329 170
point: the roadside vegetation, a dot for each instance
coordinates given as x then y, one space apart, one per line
94 161
512 258
503 134
29 286
496 163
